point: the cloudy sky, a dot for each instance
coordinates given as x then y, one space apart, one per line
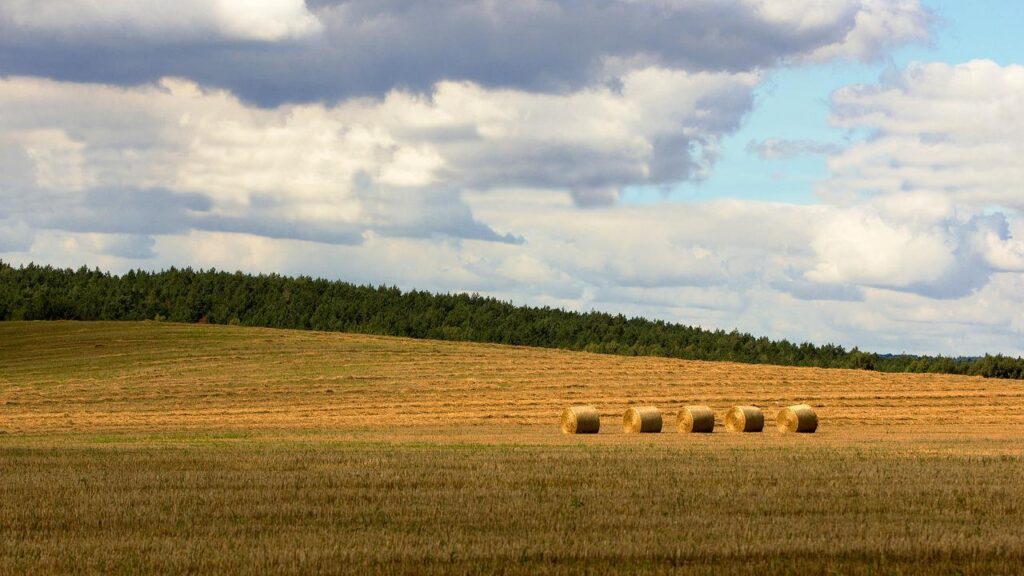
845 171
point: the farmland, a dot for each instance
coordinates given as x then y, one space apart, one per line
152 447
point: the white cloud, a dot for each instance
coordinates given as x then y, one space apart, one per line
15 236
181 20
395 165
988 320
1002 249
878 25
57 159
950 129
805 14
778 148
265 19
917 247
330 50
856 246
931 199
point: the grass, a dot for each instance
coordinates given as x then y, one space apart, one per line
191 449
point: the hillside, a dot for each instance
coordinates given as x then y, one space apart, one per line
61 376
146 447
45 293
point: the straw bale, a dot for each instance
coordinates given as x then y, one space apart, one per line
799 418
581 420
744 419
642 419
696 419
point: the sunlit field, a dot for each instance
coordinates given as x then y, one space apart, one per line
148 447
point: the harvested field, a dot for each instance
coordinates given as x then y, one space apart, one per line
145 447
62 377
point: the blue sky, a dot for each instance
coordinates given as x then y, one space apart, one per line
844 171
795 102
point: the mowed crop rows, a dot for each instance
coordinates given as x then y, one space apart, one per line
254 507
158 448
148 376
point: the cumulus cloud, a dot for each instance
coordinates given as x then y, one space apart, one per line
721 244
878 25
15 235
756 284
951 129
127 246
471 136
172 157
929 201
1000 246
854 246
865 247
331 50
87 21
175 174
780 149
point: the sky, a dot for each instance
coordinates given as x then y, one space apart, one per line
844 171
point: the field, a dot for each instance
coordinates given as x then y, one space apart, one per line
148 447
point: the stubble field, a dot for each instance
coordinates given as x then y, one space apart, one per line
145 447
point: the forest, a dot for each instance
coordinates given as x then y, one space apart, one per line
36 292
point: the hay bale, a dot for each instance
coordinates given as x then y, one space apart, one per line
581 420
646 419
696 419
744 419
799 418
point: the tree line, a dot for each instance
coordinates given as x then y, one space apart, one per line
185 295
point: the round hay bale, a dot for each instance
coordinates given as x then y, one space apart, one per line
744 419
696 419
646 419
800 418
581 420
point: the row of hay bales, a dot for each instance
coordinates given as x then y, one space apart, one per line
692 419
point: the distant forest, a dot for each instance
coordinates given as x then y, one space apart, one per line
185 295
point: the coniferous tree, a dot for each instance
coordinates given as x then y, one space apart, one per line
186 295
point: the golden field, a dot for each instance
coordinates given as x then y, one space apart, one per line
148 447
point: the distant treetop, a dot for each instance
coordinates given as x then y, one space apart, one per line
185 295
